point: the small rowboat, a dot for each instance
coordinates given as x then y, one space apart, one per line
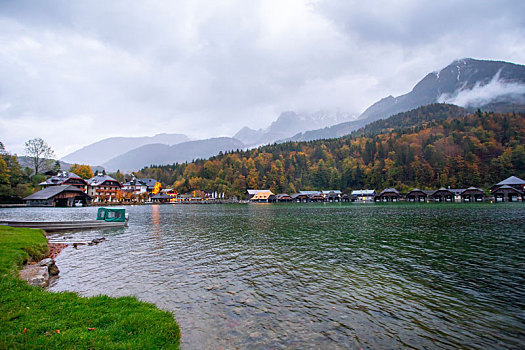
106 217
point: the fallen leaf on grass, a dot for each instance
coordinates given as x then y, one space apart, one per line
24 331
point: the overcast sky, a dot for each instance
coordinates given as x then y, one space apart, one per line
75 72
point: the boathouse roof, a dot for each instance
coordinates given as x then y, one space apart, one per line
310 193
253 192
50 192
389 190
262 195
283 195
363 193
507 188
161 196
473 189
418 190
331 191
513 180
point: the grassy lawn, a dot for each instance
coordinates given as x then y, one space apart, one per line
31 318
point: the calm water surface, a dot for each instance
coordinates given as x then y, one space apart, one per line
313 276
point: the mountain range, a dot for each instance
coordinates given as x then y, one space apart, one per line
102 151
290 123
159 153
489 85
467 83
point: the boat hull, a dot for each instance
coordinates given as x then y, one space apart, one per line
63 225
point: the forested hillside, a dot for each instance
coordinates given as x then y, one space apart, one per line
433 146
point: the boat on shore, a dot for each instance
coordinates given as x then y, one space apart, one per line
106 217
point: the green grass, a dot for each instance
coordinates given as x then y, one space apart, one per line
119 323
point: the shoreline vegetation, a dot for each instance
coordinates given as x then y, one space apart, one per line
32 318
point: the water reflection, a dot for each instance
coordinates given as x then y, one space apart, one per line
319 276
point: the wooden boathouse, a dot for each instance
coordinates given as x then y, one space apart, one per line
442 195
472 194
283 197
263 197
58 196
388 195
417 195
507 193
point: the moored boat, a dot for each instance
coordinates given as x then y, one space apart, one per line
106 217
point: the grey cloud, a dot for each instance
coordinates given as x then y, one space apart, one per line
418 22
479 94
208 68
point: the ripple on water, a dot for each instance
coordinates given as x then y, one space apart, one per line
314 276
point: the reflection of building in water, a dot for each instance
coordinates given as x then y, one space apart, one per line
155 215
155 220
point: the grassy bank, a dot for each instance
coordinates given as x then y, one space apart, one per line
33 318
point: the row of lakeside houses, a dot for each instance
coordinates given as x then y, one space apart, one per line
67 189
511 189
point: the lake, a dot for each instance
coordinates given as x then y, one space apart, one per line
313 276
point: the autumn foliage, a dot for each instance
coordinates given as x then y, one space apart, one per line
450 148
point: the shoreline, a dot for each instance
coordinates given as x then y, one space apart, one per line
32 317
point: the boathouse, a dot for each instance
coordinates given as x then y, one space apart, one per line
161 198
314 196
388 195
299 198
103 188
332 196
251 193
283 197
442 195
58 196
513 181
472 194
65 178
263 197
363 195
416 195
507 193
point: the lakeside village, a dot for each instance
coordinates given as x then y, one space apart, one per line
67 189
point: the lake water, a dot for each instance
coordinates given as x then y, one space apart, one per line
317 276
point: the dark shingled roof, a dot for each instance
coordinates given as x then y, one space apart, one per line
281 195
161 196
388 190
507 187
148 182
52 191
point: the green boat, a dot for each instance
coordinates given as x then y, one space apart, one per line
106 217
